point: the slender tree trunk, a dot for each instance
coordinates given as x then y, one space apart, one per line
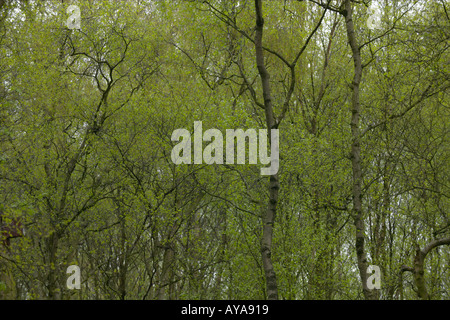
7 283
274 184
52 276
123 258
221 258
356 152
168 264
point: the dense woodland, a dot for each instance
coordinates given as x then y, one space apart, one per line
359 96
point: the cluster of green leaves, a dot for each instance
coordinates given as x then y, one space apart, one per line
86 118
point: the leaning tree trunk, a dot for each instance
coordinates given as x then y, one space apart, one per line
274 184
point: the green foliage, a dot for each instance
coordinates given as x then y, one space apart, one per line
86 118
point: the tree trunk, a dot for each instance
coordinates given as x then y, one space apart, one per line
7 283
54 292
358 215
419 278
123 258
168 265
419 270
274 185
